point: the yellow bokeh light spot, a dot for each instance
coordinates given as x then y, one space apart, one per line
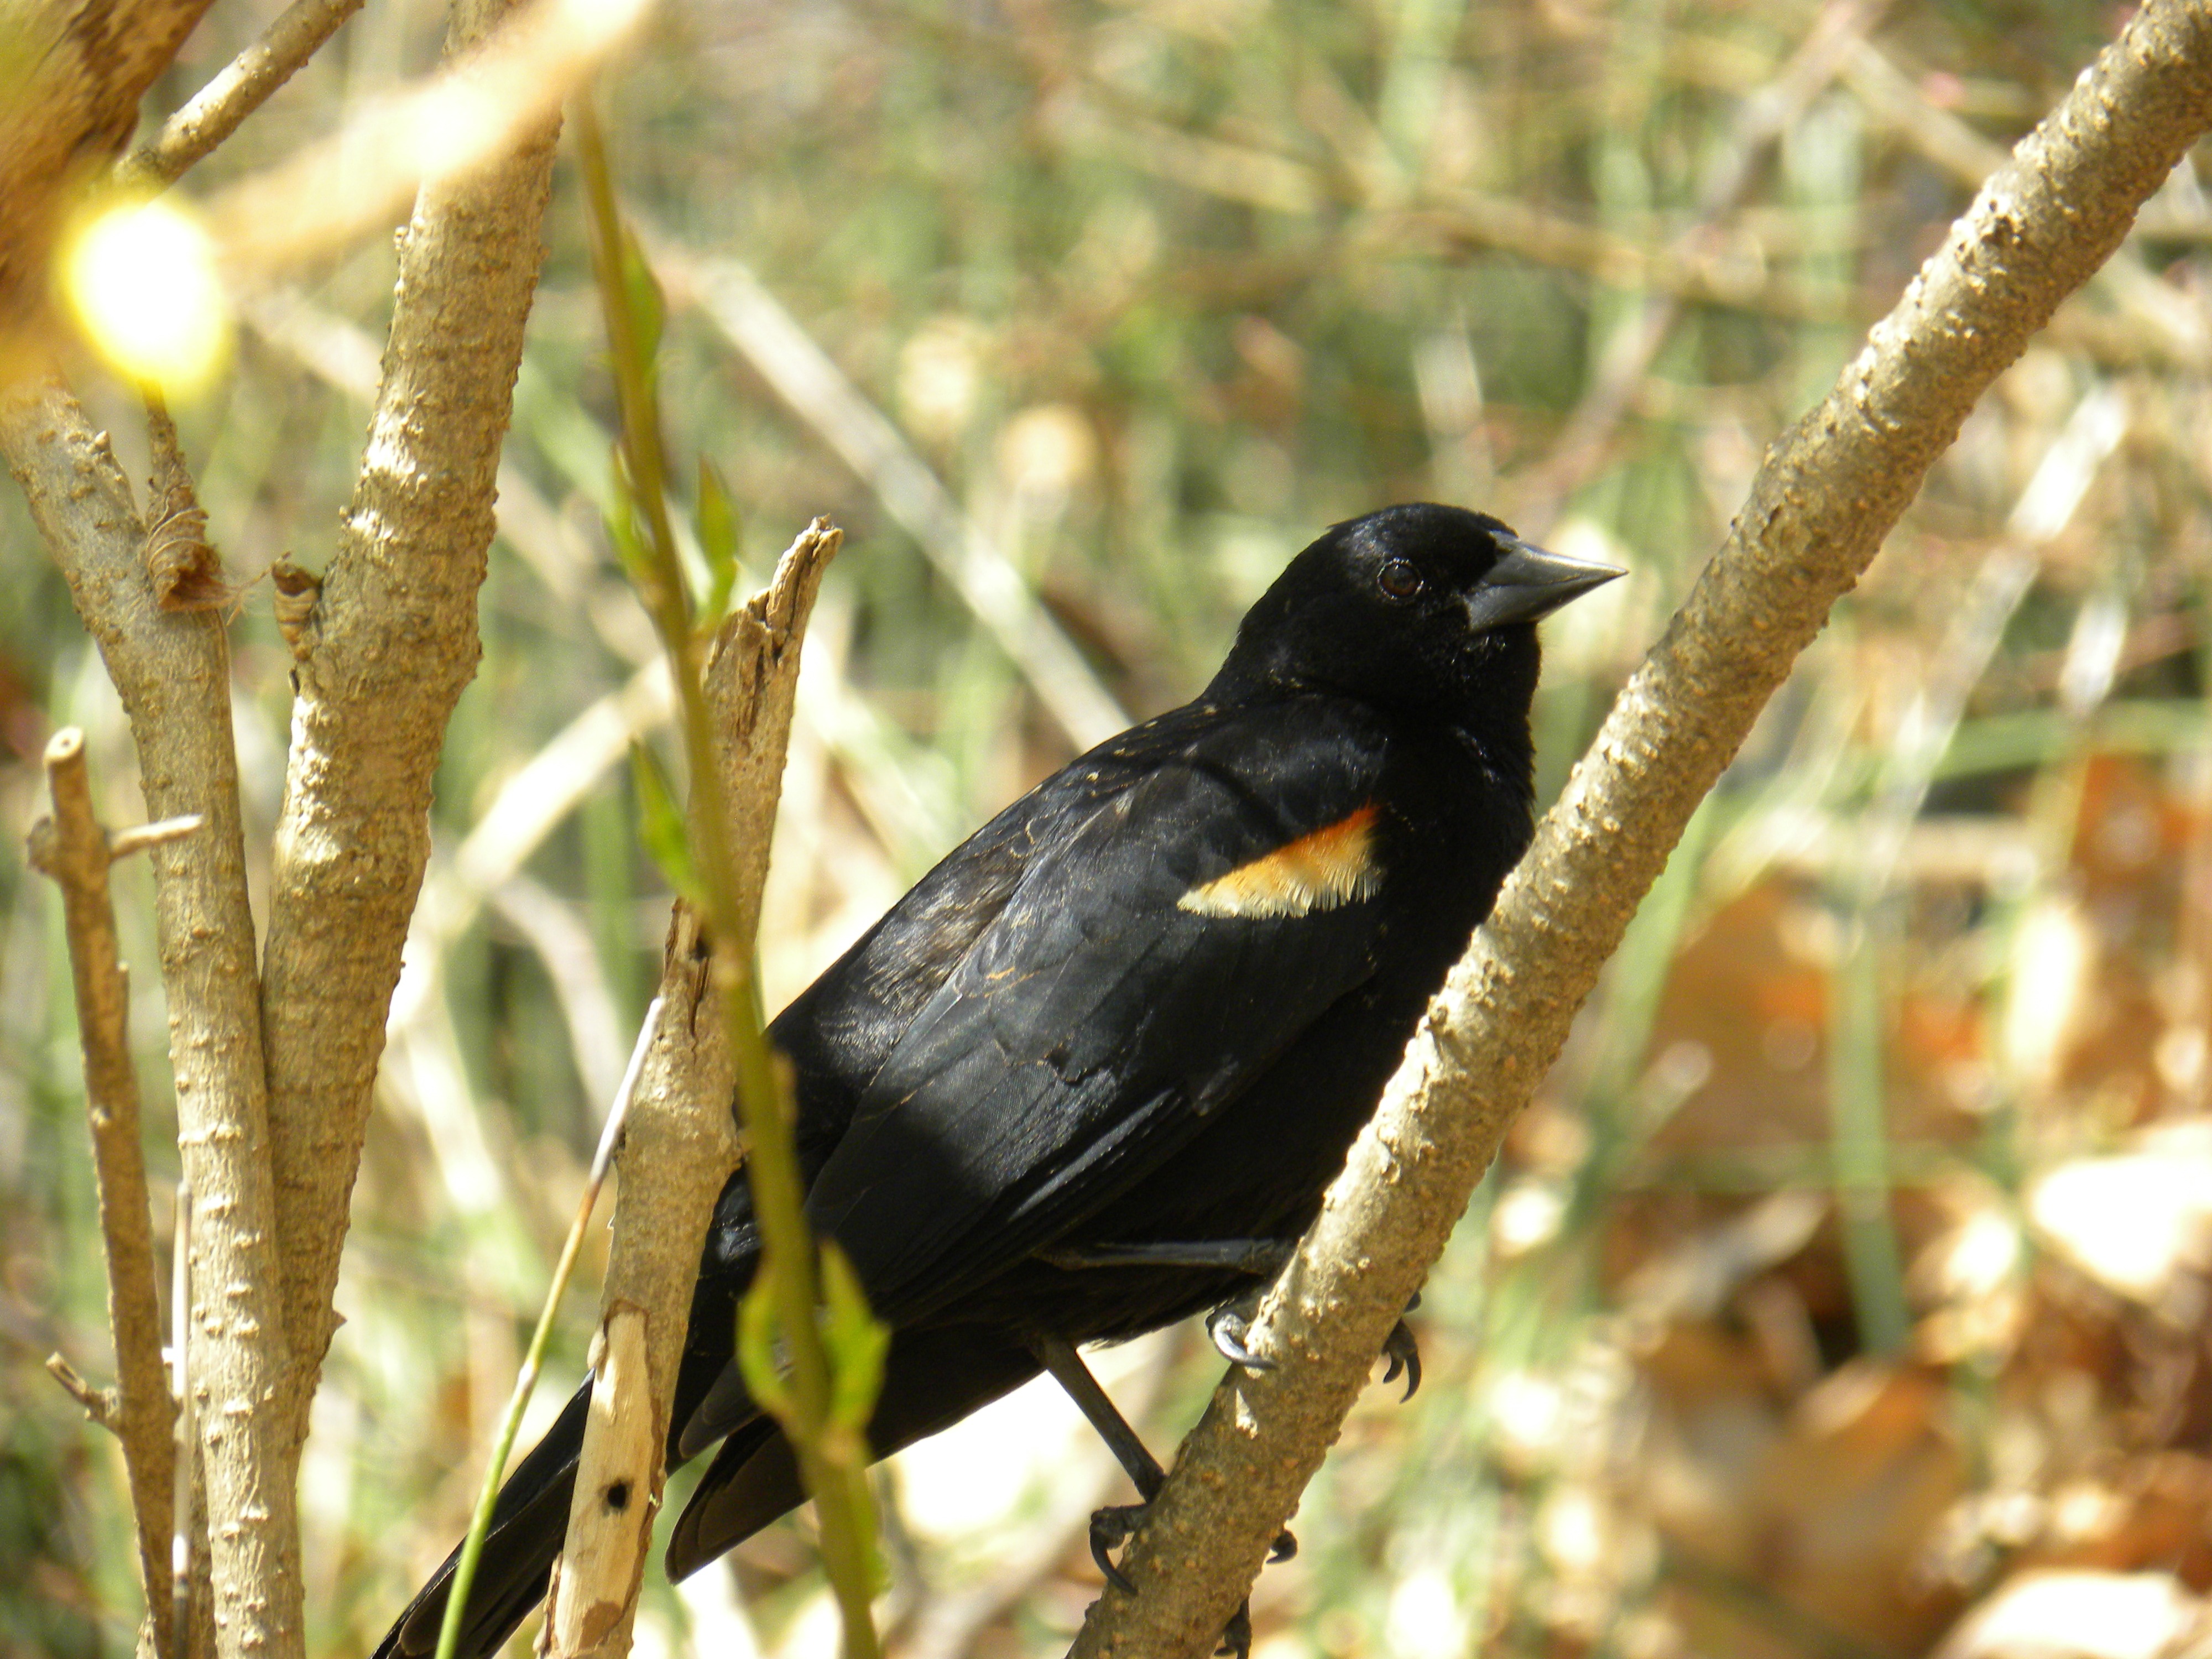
142 281
598 23
456 128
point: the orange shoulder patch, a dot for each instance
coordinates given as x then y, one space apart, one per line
1333 866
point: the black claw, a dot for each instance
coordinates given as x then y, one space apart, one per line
1119 1579
1237 1635
1110 1526
1227 1329
1404 1354
1284 1548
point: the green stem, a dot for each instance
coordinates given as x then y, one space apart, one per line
787 1257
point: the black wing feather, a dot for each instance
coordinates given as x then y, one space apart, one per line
1096 1023
1077 1027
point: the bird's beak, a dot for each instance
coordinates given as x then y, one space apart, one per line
1529 583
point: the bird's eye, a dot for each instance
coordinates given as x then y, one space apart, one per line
1400 579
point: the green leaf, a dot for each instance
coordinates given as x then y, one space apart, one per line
661 823
855 1340
623 527
641 294
757 1344
719 527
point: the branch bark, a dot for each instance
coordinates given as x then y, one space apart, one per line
245 83
71 847
382 660
1829 491
681 1144
173 670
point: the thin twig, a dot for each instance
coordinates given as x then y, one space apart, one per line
241 86
103 1405
71 847
122 843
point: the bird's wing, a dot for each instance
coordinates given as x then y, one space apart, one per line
1148 965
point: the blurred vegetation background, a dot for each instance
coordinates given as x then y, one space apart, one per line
1844 1292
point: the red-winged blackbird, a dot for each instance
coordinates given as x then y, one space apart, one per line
1092 1074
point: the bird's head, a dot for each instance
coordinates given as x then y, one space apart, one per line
1428 609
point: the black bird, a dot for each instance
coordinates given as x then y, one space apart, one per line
1092 1075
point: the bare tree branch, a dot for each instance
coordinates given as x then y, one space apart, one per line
1828 493
390 644
602 1564
172 670
505 77
216 110
71 847
681 1144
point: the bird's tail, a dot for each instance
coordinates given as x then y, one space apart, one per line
932 1379
526 1527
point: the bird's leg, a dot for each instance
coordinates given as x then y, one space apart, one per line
1263 1258
1112 1526
1404 1353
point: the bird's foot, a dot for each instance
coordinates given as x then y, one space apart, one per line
1114 1525
1111 1528
1404 1354
1237 1635
1229 1325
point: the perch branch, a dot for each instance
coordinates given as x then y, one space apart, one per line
1828 493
